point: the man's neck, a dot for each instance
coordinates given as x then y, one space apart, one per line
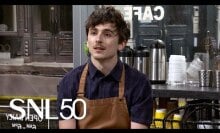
105 66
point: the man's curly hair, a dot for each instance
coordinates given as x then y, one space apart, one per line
109 15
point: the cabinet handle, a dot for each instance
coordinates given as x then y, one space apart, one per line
161 34
165 32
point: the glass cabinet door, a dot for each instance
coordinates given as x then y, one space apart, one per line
52 33
8 18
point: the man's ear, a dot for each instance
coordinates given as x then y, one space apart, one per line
122 45
87 44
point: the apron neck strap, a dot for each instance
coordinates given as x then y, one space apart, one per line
122 83
83 82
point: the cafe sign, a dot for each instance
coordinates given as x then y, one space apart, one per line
146 13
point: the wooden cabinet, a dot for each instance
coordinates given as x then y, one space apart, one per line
41 33
10 33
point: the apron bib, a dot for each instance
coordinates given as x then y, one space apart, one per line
103 113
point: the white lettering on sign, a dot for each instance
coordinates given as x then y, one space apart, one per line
44 110
159 8
146 15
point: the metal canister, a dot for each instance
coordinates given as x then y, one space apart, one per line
141 59
157 62
126 55
205 78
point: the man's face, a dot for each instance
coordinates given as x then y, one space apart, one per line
103 41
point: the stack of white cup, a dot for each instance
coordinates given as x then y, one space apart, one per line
177 69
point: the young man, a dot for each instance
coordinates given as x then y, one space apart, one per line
116 95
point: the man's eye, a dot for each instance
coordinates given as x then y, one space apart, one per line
93 33
108 34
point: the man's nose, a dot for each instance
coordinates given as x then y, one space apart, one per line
99 38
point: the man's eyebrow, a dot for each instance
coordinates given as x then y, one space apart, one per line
109 30
105 30
93 28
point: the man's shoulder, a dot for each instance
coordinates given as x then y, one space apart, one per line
74 72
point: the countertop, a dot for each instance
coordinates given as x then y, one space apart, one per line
186 91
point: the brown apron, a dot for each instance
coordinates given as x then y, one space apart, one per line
103 113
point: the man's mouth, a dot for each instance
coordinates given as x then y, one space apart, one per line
99 48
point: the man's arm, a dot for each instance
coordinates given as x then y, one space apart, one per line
135 125
67 124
